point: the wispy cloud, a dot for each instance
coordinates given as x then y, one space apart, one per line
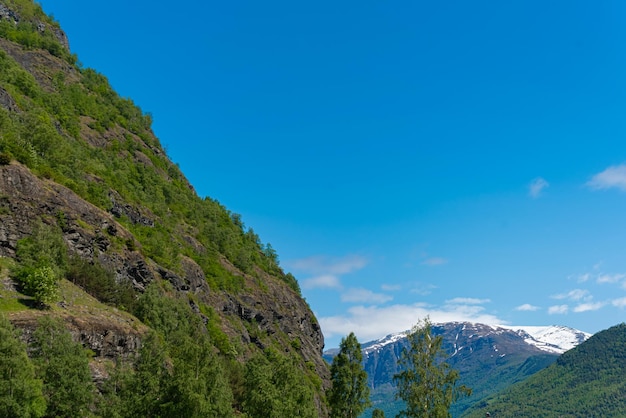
328 265
585 307
558 309
612 177
360 295
327 281
536 187
434 261
620 302
467 301
574 295
326 271
422 289
373 322
610 278
390 287
527 307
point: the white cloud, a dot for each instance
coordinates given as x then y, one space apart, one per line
326 271
575 295
527 307
585 307
467 301
536 187
328 281
369 323
584 277
390 287
610 278
620 303
434 261
328 265
558 309
422 289
360 295
612 177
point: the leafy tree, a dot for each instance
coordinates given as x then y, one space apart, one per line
378 413
20 392
276 388
42 262
199 385
426 383
64 367
349 394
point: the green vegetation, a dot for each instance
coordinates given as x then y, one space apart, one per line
42 262
63 365
67 125
349 394
275 388
427 384
20 391
585 381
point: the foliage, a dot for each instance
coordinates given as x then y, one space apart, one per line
426 383
42 259
100 283
196 384
349 394
275 388
63 365
378 413
75 130
20 392
40 283
587 380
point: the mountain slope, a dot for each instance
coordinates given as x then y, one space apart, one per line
489 358
80 163
585 381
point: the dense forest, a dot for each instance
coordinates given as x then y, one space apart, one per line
585 381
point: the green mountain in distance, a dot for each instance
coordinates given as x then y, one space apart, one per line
587 381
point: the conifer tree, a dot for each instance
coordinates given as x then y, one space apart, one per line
20 392
426 383
349 394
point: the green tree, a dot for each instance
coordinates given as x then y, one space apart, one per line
378 413
276 388
20 392
42 261
349 394
64 367
426 383
199 384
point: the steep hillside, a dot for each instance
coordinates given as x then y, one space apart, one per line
91 205
587 381
488 358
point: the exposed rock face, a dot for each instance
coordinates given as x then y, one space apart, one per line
275 309
265 309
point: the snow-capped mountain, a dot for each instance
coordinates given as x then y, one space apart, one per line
488 357
555 338
552 339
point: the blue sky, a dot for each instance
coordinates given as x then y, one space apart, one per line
463 160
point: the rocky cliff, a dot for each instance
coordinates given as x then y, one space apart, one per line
77 157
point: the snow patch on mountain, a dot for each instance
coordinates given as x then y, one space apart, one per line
554 338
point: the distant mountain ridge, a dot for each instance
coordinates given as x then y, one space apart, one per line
552 338
488 357
587 381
